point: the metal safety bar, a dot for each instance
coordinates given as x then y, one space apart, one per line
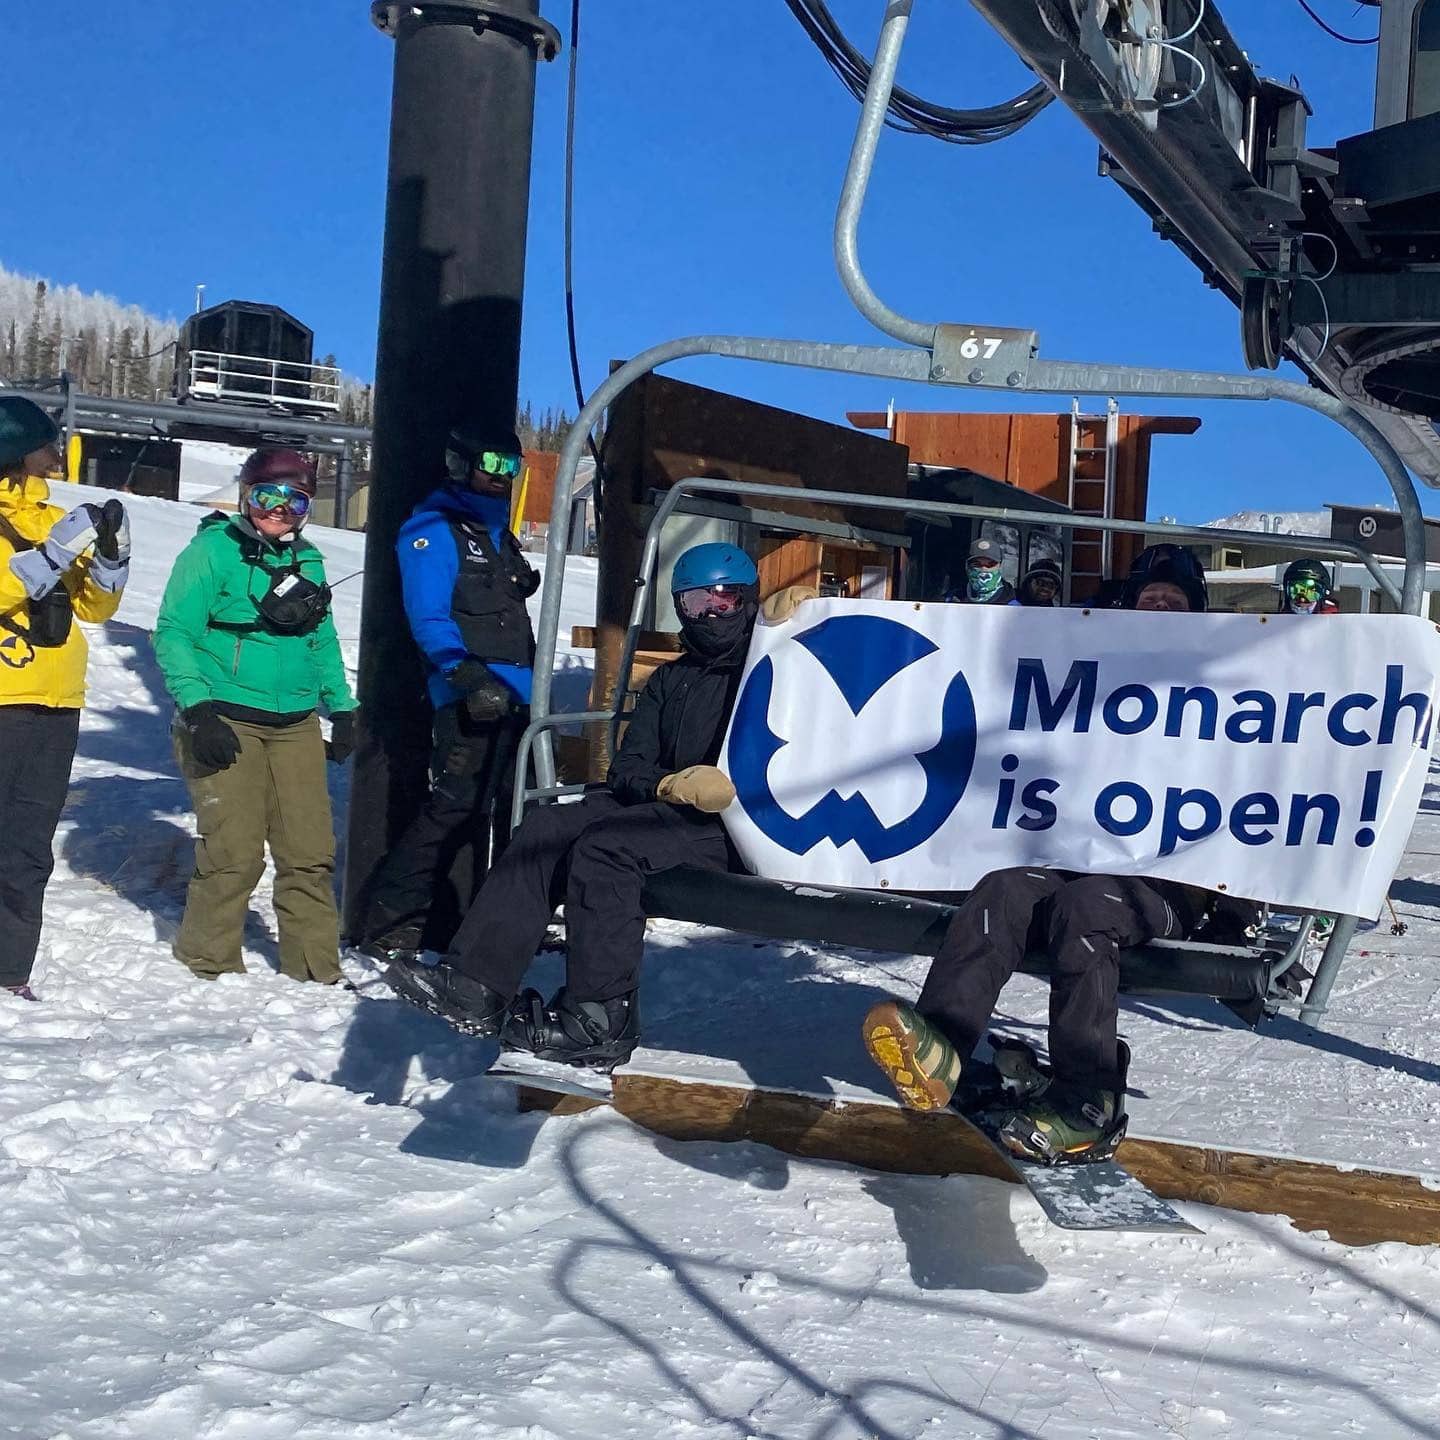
676 495
674 498
228 376
976 357
535 728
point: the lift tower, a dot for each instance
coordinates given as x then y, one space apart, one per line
452 278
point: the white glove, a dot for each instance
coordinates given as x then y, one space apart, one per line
71 536
39 570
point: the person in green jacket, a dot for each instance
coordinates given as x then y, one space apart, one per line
249 653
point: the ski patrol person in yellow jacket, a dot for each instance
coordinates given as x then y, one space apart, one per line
55 567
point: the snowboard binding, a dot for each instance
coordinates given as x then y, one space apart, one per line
1054 1129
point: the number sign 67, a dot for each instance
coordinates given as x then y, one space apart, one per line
978 346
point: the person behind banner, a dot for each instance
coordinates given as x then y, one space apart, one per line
985 582
1082 922
1040 585
658 809
1306 589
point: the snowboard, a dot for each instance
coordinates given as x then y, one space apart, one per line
517 1068
1094 1195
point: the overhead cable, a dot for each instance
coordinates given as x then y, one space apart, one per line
570 236
1335 34
909 112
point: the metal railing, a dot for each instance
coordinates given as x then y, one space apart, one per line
256 379
673 501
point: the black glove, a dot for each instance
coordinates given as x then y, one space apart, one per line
486 697
213 743
341 744
112 532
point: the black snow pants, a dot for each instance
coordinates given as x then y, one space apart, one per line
593 856
37 748
433 872
1081 922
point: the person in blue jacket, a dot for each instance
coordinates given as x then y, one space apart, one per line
465 583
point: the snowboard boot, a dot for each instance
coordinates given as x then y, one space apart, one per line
394 937
917 1059
22 992
596 1034
471 1007
1065 1125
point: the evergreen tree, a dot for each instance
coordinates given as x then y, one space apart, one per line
34 334
49 358
124 359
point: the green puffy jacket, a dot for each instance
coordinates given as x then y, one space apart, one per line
219 577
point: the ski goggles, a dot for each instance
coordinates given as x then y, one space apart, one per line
1305 592
710 600
275 498
503 463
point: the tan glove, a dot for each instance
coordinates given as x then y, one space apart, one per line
703 786
780 606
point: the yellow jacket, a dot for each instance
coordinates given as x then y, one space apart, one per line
29 675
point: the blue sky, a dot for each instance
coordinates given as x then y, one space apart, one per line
243 146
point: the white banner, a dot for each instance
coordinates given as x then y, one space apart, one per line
886 744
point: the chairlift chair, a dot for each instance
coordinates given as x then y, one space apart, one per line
1254 980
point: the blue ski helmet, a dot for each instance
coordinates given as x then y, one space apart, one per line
713 564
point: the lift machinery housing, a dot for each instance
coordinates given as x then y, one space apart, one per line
1332 255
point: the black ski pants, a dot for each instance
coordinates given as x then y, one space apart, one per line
37 749
436 867
594 857
1081 922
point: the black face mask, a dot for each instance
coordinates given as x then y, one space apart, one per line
716 636
293 605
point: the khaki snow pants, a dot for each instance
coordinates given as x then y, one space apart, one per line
274 793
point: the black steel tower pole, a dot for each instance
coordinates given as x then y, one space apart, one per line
452 278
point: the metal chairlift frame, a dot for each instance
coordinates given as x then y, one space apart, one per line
975 357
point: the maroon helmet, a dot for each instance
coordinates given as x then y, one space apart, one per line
278 467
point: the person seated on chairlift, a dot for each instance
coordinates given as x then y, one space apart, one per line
985 582
1040 585
658 809
1306 589
1081 922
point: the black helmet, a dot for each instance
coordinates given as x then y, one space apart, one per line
468 442
1171 564
24 428
1306 568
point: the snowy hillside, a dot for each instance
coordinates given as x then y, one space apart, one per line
259 1210
1276 522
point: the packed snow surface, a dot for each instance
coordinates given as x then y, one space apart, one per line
259 1210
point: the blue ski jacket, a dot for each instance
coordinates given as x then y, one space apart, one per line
429 558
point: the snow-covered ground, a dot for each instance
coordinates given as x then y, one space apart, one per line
258 1210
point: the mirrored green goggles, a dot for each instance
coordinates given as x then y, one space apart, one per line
1305 590
503 463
